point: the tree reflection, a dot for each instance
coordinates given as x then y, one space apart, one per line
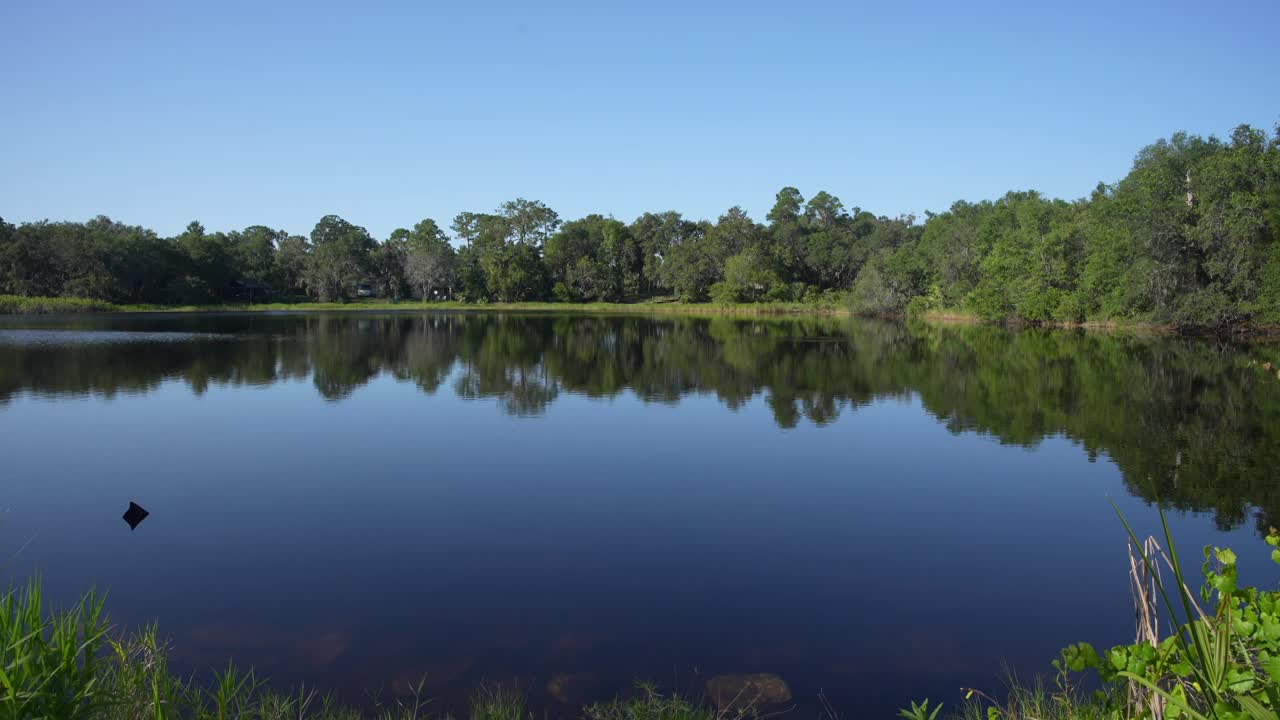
1152 405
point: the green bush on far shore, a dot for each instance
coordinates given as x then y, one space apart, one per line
19 305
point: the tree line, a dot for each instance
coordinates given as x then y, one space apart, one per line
1190 235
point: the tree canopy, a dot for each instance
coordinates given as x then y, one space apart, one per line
1190 235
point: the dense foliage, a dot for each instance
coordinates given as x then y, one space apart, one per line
1220 662
1190 236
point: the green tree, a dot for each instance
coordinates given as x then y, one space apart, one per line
595 258
485 238
339 257
253 252
209 265
387 265
656 236
529 222
734 232
289 268
431 265
143 266
954 246
747 276
471 276
690 268
829 253
787 234
1034 262
1232 190
521 274
1190 235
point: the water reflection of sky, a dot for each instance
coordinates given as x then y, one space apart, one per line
56 338
360 543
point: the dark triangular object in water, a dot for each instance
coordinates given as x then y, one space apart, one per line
135 515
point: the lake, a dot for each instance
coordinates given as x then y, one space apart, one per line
876 512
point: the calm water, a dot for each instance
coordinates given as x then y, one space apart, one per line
872 510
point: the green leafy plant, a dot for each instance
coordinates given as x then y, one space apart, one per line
1223 663
920 711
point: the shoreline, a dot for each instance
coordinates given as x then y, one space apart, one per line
18 305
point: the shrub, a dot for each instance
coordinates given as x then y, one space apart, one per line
724 293
1224 663
780 292
18 305
921 304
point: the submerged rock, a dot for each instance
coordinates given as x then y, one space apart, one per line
736 692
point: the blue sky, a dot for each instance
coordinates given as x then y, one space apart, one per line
278 113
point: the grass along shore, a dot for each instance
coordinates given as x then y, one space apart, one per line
1219 660
22 305
73 664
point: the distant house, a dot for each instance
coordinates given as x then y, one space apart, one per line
248 290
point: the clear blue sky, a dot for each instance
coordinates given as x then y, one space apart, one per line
158 113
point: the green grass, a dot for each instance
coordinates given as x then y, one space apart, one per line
1222 663
498 703
1031 702
68 664
650 704
50 663
13 305
71 664
18 305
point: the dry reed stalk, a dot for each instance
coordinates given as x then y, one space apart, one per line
1143 583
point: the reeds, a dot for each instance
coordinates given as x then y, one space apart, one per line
70 664
1143 584
1031 702
650 704
67 664
50 663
